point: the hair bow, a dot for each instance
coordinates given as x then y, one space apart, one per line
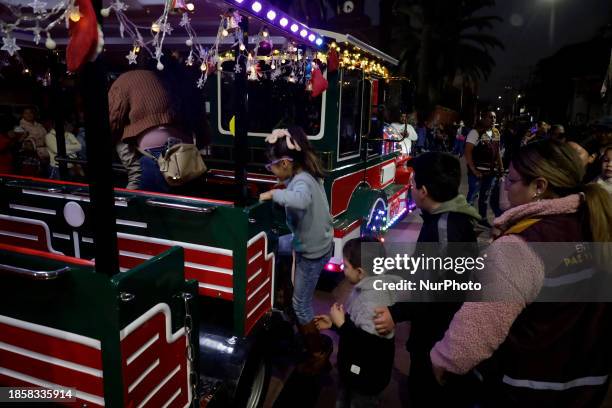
283 133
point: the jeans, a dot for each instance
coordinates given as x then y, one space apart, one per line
348 398
143 172
482 187
307 272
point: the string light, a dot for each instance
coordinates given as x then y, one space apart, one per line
75 15
190 6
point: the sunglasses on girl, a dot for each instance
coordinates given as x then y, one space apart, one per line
273 162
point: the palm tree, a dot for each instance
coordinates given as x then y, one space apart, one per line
442 42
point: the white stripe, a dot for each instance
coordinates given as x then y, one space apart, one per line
87 240
257 255
94 399
51 360
61 236
556 386
56 195
132 223
216 287
75 241
258 305
258 289
145 317
210 268
172 398
142 349
38 223
135 255
267 257
159 386
256 274
167 242
569 278
32 209
18 235
123 269
49 331
143 375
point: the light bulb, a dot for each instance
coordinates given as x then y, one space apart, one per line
105 12
242 47
50 44
190 7
160 66
75 16
265 33
272 66
189 42
224 33
155 28
203 67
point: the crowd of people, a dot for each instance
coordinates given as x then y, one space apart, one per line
28 146
472 351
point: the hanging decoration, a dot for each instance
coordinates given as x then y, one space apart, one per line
318 83
86 40
38 21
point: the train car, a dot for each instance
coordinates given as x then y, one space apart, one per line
144 299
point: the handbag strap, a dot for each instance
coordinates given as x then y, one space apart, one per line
146 154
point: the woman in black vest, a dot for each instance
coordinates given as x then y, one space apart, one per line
537 337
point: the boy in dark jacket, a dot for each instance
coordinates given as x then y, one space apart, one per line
365 358
447 231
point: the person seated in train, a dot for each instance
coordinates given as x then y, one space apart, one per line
73 147
406 130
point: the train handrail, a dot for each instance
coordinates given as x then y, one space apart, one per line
32 274
175 206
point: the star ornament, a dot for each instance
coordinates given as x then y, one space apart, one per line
9 44
131 57
38 7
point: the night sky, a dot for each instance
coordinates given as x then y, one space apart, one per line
526 34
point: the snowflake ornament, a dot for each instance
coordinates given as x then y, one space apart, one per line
185 20
38 7
166 28
237 69
189 60
201 81
118 5
9 44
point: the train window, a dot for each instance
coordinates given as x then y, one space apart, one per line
271 104
350 113
367 108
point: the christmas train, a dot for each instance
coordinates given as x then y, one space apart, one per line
137 298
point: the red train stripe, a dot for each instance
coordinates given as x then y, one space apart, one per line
215 293
52 346
209 277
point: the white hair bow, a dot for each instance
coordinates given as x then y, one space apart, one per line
279 134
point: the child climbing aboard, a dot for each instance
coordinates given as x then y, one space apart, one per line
365 358
296 165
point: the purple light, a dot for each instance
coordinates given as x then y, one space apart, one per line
311 37
239 1
256 6
294 28
284 22
319 41
303 33
271 15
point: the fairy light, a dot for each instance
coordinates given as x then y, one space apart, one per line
155 27
224 33
190 6
75 15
